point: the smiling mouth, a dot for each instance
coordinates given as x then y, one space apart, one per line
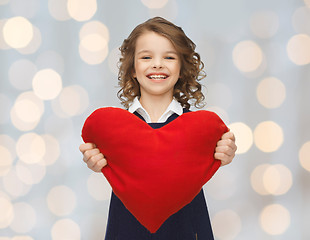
157 77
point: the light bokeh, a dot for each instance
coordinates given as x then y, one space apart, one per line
226 224
65 229
268 136
81 10
244 136
275 219
61 200
17 32
304 156
247 56
47 84
298 49
271 92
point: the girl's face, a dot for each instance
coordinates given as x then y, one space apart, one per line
157 65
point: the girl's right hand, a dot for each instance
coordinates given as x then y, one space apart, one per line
92 156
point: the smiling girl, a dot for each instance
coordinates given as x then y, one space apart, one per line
159 77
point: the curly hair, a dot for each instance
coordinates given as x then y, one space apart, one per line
187 90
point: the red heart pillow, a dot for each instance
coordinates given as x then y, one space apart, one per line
155 172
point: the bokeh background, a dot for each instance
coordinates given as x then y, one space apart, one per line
58 61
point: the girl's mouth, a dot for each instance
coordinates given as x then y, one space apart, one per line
157 76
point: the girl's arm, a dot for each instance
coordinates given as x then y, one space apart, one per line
93 157
226 148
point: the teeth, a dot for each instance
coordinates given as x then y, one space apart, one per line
157 76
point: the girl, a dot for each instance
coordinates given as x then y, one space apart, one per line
158 75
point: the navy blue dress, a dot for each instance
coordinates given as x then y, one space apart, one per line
192 222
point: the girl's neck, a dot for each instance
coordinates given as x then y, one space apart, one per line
155 105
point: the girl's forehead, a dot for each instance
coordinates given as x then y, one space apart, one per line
151 40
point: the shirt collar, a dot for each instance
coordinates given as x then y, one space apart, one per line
174 107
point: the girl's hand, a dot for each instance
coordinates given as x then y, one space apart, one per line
93 157
226 148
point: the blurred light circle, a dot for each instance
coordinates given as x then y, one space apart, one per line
7 212
25 217
154 3
27 9
277 179
93 58
264 24
30 148
65 229
6 160
13 185
226 224
244 136
94 42
82 10
27 110
94 28
304 156
21 73
30 174
58 9
17 32
271 92
113 60
257 182
247 56
50 59
98 187
169 11
275 219
299 18
5 106
3 44
61 200
52 151
298 49
34 44
47 84
73 100
268 136
307 3
21 117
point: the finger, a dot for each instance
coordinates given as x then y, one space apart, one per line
229 135
226 142
99 165
92 161
225 149
224 158
90 153
86 146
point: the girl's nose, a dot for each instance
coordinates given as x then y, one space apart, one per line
157 63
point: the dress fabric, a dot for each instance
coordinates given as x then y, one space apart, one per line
192 222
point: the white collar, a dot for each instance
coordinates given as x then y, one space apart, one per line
174 107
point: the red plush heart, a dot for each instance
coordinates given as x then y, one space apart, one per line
155 172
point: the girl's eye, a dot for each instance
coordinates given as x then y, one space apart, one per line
146 57
170 58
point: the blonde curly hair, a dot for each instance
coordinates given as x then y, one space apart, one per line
187 90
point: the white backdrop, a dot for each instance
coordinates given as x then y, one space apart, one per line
58 63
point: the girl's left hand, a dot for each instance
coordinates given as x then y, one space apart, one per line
226 148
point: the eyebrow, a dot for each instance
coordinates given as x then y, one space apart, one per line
148 51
